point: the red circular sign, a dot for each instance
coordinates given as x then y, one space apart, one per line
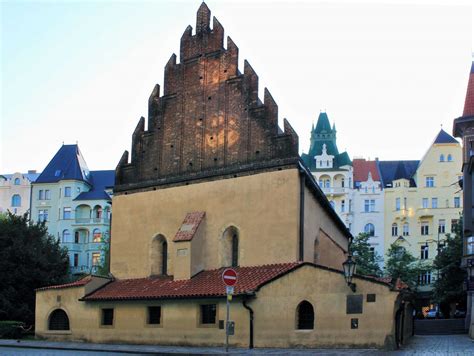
229 276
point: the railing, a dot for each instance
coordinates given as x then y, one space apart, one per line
335 190
92 221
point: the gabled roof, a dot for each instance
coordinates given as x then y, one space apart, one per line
444 137
189 226
100 181
204 284
469 102
30 176
67 163
393 170
362 169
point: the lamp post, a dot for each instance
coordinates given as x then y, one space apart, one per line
349 267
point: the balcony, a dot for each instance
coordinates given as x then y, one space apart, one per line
335 190
95 221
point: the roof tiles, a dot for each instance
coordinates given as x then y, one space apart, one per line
189 226
204 284
469 103
362 169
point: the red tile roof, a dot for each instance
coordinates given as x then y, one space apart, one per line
469 103
362 169
189 226
399 284
204 284
79 283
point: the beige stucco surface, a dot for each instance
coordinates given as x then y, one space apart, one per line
263 207
274 307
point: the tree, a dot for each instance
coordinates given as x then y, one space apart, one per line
29 259
449 287
367 261
104 268
402 264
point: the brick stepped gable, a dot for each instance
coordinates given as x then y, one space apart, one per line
209 122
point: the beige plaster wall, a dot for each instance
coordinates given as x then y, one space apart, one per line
275 316
331 244
274 307
264 208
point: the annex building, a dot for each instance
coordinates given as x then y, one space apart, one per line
212 181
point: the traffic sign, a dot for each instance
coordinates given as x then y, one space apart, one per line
229 290
229 276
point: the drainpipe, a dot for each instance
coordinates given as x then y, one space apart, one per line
301 234
244 303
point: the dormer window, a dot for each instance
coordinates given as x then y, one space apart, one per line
57 173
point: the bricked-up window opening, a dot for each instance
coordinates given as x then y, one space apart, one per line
154 315
305 316
159 256
235 250
208 313
107 316
58 320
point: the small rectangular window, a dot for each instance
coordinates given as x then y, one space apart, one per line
397 204
76 260
67 213
457 202
370 298
95 258
429 182
442 226
424 203
41 194
107 316
154 315
434 203
67 191
208 313
424 252
47 194
425 228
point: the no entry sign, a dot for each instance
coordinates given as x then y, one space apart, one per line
229 276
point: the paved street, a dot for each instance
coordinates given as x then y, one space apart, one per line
420 345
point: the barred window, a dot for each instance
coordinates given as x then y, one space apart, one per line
208 313
58 320
154 315
108 316
305 316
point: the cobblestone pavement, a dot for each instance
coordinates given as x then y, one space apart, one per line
456 345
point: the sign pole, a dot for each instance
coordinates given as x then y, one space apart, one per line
227 325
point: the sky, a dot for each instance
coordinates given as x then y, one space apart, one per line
389 74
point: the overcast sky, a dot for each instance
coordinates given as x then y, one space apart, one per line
388 73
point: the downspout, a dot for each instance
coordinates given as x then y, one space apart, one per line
244 303
301 232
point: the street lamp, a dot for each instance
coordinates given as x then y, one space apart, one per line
349 267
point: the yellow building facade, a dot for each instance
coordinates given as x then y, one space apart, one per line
213 183
421 208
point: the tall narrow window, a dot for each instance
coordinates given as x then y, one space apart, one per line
67 213
16 200
67 191
164 258
305 316
434 203
107 316
457 202
424 252
343 206
96 235
406 229
41 194
425 228
424 203
95 258
369 229
442 226
394 230
235 250
66 236
397 204
47 194
229 247
159 256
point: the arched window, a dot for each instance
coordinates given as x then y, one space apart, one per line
441 157
96 235
58 320
369 229
230 247
98 212
159 256
16 200
450 158
67 236
305 316
394 229
17 181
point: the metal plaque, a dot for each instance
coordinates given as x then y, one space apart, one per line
354 304
371 298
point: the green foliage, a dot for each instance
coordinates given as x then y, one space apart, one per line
402 264
367 261
29 259
104 268
10 329
449 287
